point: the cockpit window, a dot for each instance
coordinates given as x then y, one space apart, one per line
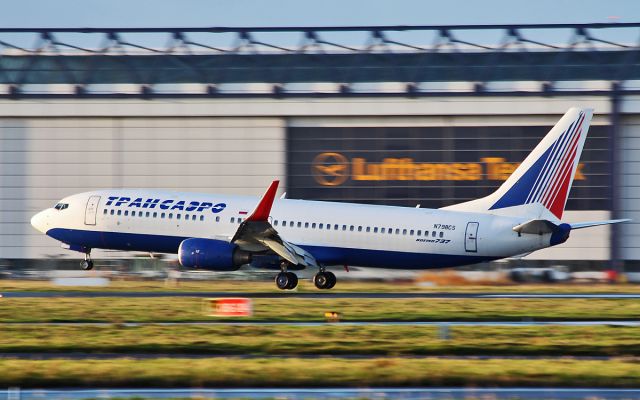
61 206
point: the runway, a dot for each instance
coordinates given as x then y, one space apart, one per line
629 323
323 295
330 393
151 356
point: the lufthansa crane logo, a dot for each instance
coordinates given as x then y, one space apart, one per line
330 169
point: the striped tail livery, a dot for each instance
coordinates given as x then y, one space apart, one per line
540 185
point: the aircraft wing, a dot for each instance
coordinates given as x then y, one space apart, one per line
257 234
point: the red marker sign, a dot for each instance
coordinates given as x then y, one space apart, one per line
230 307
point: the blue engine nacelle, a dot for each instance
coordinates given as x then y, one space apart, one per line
211 254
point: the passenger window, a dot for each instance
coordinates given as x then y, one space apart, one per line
112 212
178 216
155 215
335 227
306 224
397 231
433 234
344 227
233 220
186 216
193 217
170 215
320 226
202 218
275 223
441 234
119 212
381 230
162 215
368 229
375 229
126 213
299 224
359 229
290 224
105 211
217 218
390 231
147 214
404 231
329 227
411 232
419 233
351 228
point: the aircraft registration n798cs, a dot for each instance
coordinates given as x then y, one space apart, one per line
223 232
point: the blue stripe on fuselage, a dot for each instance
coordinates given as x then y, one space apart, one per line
324 255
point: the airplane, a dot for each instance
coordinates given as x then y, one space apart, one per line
224 232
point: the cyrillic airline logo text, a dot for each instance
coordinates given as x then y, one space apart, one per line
168 204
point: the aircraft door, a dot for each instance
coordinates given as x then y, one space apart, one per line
471 237
92 210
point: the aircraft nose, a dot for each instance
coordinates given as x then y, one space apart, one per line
40 221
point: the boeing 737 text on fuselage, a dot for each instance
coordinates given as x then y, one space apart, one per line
223 232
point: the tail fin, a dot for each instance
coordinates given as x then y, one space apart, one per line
541 184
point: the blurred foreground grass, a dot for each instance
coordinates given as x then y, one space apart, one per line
334 339
189 309
296 372
307 286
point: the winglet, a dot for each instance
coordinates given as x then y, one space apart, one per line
262 211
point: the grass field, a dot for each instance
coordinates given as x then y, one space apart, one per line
324 372
311 356
176 309
332 339
306 286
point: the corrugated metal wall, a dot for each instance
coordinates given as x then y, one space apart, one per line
52 149
45 159
629 191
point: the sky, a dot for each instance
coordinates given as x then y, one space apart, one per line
201 13
277 13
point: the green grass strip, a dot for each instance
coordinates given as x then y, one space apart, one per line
181 309
295 372
325 340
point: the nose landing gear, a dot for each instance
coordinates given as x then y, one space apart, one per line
87 263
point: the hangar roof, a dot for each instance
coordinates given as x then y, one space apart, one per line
340 61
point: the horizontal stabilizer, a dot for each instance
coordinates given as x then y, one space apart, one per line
536 226
580 225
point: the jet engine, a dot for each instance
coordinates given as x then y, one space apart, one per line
216 255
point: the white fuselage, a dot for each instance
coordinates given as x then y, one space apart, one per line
335 233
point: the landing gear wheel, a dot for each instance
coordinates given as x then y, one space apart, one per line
283 280
332 280
293 280
324 280
86 265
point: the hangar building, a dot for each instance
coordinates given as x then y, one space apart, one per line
402 115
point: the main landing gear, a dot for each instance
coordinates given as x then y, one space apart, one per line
324 279
286 280
87 263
